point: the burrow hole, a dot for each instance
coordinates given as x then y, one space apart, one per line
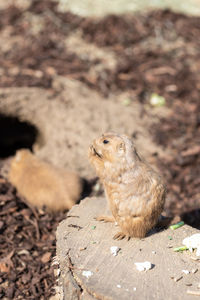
15 134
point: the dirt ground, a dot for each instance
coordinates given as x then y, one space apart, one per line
73 78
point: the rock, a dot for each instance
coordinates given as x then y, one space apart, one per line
67 122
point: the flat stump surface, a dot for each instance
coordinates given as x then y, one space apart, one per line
83 244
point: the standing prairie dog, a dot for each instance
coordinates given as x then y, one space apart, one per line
135 192
43 184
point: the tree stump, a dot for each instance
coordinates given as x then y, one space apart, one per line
90 271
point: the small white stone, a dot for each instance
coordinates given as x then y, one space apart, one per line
154 252
143 266
119 286
114 250
186 272
55 261
134 289
87 273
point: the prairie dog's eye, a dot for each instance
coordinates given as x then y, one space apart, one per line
105 141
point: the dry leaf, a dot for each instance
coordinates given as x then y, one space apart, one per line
4 268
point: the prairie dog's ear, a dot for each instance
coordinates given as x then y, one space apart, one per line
21 154
18 156
121 147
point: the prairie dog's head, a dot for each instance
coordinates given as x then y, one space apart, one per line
112 150
18 163
22 154
20 157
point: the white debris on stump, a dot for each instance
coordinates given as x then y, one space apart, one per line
193 242
114 250
143 266
186 272
87 273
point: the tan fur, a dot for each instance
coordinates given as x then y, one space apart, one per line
135 192
43 184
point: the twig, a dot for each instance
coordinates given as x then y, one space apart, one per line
70 265
32 208
75 226
35 224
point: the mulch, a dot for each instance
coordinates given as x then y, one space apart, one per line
27 247
158 52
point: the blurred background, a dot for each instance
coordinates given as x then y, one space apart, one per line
70 70
101 8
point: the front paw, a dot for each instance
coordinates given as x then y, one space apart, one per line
119 236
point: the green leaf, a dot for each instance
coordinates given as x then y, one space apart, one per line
177 225
126 102
180 249
157 100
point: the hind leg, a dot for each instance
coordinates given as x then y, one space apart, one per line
135 226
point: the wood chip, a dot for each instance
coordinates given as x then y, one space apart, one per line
46 257
192 151
4 268
176 279
195 258
195 293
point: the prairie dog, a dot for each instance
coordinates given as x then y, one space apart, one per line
135 192
43 184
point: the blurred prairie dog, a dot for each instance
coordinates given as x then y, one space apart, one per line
43 184
135 192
